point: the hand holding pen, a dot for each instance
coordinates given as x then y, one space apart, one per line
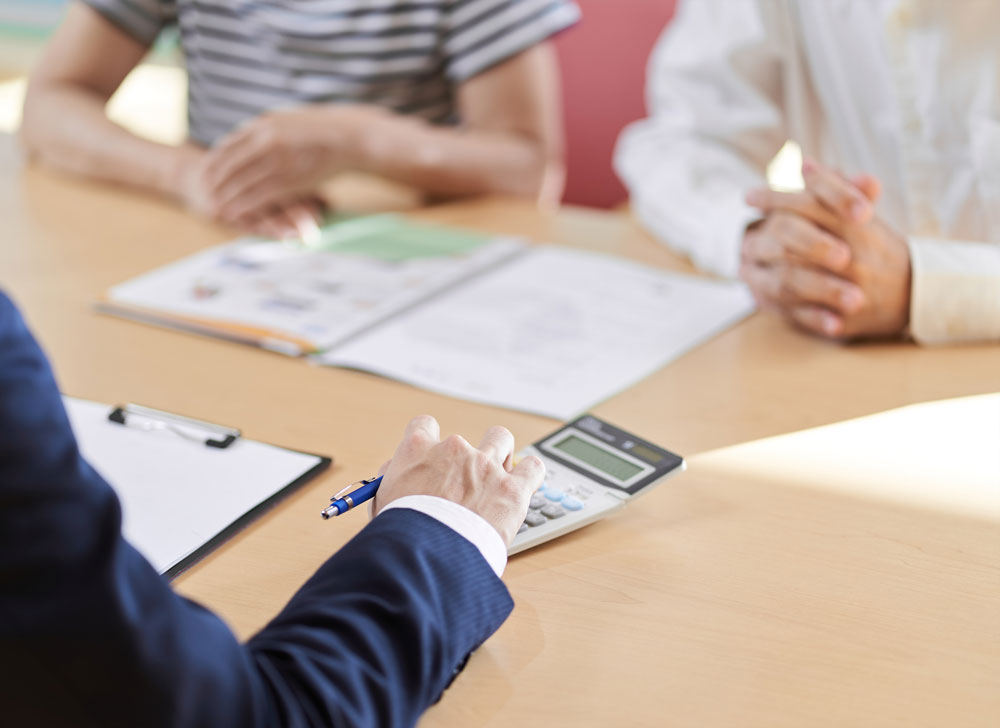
353 495
481 479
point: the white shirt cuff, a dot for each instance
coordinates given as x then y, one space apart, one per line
955 291
469 525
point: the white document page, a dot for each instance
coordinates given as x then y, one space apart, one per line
318 296
177 494
553 332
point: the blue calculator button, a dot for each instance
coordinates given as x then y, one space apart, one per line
553 494
571 504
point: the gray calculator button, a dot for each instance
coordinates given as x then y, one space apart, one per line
537 502
534 519
553 511
524 527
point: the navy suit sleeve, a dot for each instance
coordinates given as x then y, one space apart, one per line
91 635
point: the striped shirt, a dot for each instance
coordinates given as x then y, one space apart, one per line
247 57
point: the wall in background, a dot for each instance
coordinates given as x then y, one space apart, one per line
603 63
24 26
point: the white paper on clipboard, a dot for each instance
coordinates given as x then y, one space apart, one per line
178 495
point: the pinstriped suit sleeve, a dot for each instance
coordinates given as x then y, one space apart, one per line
91 635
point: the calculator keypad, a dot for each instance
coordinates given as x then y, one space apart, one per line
550 502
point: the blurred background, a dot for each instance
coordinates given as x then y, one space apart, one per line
603 63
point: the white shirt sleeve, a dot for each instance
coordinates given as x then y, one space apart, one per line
714 98
955 291
467 524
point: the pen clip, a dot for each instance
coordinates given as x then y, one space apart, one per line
148 419
350 488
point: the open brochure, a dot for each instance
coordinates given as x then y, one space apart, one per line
540 328
303 300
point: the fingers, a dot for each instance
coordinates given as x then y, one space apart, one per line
869 186
306 218
247 177
787 236
836 193
277 223
818 321
528 474
803 204
266 226
267 192
787 286
421 434
498 445
231 153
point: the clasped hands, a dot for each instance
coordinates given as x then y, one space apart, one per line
264 177
822 259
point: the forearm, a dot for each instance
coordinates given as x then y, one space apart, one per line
690 194
66 127
376 635
716 120
372 639
455 161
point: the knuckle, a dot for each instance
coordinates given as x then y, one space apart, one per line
787 280
266 132
819 248
454 444
830 290
536 464
782 224
422 420
499 431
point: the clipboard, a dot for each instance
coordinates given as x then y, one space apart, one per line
185 485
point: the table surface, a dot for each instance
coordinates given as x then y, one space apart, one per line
716 600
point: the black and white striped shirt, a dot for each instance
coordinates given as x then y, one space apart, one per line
246 57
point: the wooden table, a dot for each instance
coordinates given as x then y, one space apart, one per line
715 601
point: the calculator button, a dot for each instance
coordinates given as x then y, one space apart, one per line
553 511
535 519
537 502
523 527
571 504
553 495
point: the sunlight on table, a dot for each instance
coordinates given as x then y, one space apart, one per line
942 456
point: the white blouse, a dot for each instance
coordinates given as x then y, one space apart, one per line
906 90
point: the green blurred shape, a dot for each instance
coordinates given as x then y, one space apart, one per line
394 238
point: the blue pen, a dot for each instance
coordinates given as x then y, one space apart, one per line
353 495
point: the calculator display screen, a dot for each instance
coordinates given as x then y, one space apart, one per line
597 457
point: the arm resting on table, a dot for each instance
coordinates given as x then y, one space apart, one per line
91 635
715 123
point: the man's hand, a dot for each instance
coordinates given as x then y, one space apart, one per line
822 259
297 217
481 479
279 157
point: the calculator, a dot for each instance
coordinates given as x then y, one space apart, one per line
592 469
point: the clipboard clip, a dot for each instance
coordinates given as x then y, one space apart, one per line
150 420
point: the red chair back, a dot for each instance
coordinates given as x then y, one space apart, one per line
603 63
